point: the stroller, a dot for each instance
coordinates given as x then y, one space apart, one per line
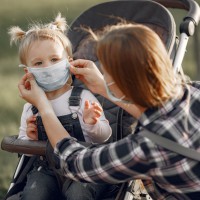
154 14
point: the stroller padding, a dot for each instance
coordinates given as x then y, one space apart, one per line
14 145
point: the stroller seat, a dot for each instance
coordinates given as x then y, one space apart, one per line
154 14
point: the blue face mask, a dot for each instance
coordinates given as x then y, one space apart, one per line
111 95
51 78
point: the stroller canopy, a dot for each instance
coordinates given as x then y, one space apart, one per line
146 12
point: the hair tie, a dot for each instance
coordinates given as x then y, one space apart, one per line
27 32
53 26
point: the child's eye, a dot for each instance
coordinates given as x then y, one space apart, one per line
55 60
38 64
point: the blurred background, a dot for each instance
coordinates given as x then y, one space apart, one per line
21 13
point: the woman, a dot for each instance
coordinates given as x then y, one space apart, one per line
139 77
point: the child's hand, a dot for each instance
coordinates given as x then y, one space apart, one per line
31 130
91 112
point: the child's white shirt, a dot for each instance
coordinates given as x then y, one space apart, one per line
97 133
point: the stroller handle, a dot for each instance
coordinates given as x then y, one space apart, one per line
14 145
191 19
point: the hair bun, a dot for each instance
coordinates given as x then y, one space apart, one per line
60 23
16 34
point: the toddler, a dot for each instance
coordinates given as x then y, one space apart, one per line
45 51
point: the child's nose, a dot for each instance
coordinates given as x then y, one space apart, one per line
47 64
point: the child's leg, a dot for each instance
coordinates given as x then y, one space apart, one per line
83 191
41 185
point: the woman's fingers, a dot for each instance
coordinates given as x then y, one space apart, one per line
31 92
81 67
25 84
87 72
81 63
78 71
22 82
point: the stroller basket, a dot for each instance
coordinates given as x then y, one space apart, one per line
154 14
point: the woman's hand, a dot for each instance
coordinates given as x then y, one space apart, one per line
31 92
88 73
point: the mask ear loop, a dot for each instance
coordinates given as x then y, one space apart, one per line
25 68
22 66
112 83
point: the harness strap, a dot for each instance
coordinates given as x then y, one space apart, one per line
34 109
171 145
75 98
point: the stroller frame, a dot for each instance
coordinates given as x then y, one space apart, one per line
108 13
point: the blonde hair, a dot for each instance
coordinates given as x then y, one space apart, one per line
139 64
53 31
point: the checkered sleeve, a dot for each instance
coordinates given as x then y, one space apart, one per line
110 163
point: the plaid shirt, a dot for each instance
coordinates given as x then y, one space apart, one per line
165 174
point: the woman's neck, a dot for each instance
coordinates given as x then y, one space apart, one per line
135 110
55 94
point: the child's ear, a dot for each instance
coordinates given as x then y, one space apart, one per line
70 59
25 70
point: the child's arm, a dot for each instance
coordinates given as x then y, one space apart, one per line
26 113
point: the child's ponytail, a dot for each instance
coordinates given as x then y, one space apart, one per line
55 31
60 23
16 34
